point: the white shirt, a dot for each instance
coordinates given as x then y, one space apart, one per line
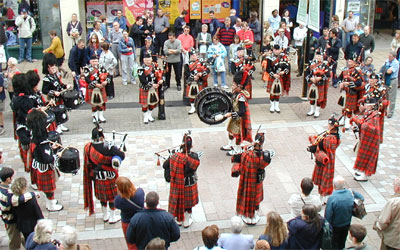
283 42
297 204
298 35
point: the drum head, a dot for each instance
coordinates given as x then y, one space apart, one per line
69 161
54 136
51 117
210 102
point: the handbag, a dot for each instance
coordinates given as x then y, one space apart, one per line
358 207
2 54
327 234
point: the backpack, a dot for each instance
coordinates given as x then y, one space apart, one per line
326 241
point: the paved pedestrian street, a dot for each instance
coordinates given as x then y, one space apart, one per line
286 133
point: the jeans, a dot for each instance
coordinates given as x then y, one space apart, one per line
178 73
348 37
117 55
339 237
28 43
227 55
215 76
127 66
334 76
392 95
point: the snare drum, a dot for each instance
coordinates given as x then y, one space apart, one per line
60 112
54 137
51 117
69 162
211 102
71 99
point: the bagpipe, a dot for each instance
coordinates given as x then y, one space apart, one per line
116 160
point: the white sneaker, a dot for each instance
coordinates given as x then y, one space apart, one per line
63 128
246 220
133 82
106 214
101 116
151 119
192 109
225 87
178 222
59 130
228 147
113 217
255 219
124 83
312 110
53 206
316 114
34 186
145 118
361 177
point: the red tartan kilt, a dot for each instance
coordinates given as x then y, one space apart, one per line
191 196
269 84
46 182
105 190
24 157
323 178
260 194
188 88
89 92
322 93
351 102
143 95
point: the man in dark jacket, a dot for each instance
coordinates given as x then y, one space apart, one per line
77 58
151 223
354 50
180 23
137 33
332 48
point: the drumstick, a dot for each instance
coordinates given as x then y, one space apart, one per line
62 151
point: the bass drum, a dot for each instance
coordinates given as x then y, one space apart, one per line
211 102
69 162
71 99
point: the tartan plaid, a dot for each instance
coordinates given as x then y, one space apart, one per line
24 157
181 197
285 82
383 113
250 193
368 151
249 89
188 88
89 91
245 122
353 98
105 190
143 95
88 176
46 182
323 176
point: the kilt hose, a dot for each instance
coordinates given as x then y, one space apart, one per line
105 190
46 181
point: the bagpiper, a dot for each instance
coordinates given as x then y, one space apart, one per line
317 76
97 79
151 83
324 146
279 80
244 63
44 158
53 85
196 72
101 164
239 126
352 85
250 166
367 148
183 195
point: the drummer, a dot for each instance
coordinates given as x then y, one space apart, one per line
196 73
239 126
52 84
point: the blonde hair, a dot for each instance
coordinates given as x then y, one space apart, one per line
275 228
398 32
43 231
13 60
19 186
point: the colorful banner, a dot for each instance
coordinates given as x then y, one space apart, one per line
135 8
94 9
195 12
112 8
170 8
220 7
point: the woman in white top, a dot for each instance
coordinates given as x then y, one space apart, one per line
203 41
108 61
286 18
395 45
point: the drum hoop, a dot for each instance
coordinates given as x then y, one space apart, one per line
205 93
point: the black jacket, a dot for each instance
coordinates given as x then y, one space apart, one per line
28 214
354 50
77 59
149 224
333 51
137 34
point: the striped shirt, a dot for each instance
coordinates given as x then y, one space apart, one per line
7 199
226 35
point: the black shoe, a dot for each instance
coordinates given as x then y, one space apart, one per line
179 88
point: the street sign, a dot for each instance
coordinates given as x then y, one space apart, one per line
314 15
302 12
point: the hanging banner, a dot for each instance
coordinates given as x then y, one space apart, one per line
112 9
170 8
221 9
314 15
302 12
195 12
135 8
94 10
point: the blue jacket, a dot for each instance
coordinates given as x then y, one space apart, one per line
124 46
338 211
149 224
128 210
31 245
77 59
303 235
122 22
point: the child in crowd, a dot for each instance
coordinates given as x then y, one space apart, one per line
357 235
367 68
233 49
